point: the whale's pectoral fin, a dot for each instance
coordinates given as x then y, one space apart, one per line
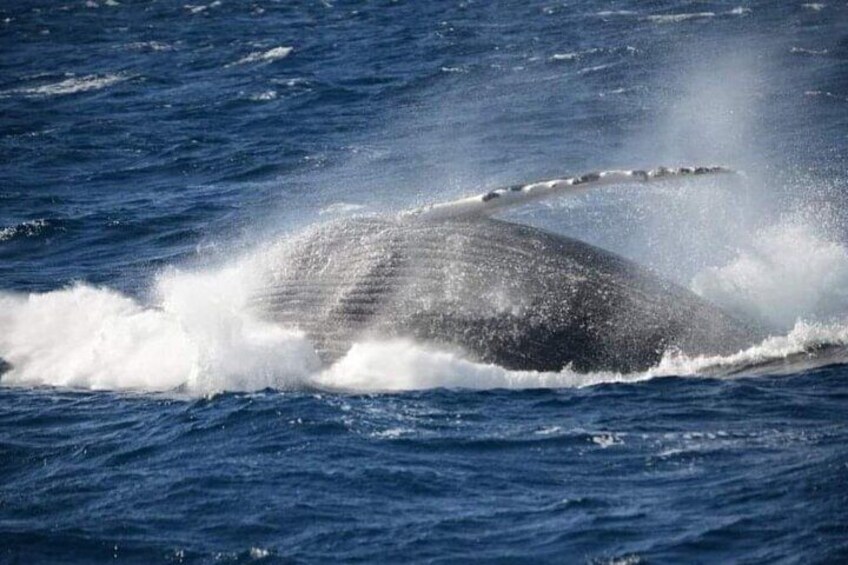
517 195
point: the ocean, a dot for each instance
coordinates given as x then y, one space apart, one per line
152 149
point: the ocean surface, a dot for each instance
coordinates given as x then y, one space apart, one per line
150 148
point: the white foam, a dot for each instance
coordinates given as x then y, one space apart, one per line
198 337
595 68
606 440
398 365
804 337
264 96
616 91
268 56
815 6
27 229
577 55
739 11
608 13
150 46
803 51
676 18
825 94
71 85
565 56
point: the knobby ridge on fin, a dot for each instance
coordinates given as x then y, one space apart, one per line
517 195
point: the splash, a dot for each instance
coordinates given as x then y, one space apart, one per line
807 346
400 365
198 337
788 273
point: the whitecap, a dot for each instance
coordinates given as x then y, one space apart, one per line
616 91
264 96
71 85
606 440
803 51
149 46
26 229
608 13
595 68
739 11
675 18
826 94
268 56
564 56
259 553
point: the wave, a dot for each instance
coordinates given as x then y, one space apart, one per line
807 346
579 55
264 96
199 8
677 18
72 85
826 94
154 46
804 51
268 56
608 13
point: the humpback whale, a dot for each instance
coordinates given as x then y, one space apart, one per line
453 276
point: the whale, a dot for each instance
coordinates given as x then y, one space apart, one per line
453 276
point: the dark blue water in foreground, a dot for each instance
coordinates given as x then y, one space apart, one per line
137 138
674 470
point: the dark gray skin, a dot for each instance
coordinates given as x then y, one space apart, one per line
500 292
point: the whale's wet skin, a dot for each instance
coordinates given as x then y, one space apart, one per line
503 293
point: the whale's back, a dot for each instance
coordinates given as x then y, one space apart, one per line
503 293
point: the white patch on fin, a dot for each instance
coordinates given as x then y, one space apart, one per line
518 195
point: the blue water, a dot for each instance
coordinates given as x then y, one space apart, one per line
147 147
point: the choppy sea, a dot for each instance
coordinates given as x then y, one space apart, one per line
148 147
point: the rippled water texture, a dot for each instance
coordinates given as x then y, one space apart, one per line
153 151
